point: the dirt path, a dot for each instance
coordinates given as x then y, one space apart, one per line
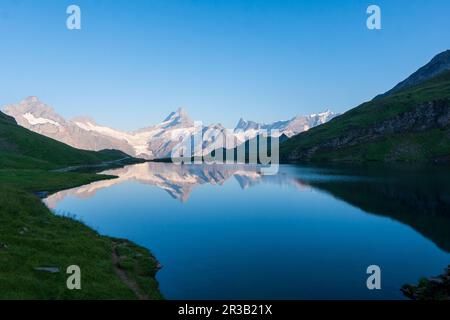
123 276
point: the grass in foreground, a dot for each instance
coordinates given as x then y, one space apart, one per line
32 237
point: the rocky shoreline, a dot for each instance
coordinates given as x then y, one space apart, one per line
433 288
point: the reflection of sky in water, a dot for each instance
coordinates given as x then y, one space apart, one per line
228 232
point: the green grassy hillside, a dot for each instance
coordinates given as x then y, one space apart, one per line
410 125
6 118
32 237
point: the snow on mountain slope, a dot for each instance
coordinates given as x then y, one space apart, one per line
35 121
36 116
138 144
157 141
288 127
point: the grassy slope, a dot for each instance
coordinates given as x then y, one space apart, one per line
434 143
22 148
31 236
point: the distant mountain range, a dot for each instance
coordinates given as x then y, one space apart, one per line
154 142
411 122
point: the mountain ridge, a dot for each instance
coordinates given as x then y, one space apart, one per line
288 127
412 124
7 118
437 65
22 148
152 142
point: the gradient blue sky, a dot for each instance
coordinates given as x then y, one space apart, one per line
135 61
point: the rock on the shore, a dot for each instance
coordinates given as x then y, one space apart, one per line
433 288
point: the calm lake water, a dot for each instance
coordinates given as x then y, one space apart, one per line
227 232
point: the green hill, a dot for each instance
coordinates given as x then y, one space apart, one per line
436 66
32 237
263 147
22 148
6 118
412 124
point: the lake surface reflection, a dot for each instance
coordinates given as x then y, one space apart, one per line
228 232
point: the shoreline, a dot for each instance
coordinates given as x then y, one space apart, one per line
120 245
36 246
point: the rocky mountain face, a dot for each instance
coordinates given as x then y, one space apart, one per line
154 142
418 119
24 149
436 66
36 116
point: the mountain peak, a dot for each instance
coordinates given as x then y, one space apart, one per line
244 125
289 128
179 113
439 64
178 117
33 102
31 99
32 105
325 113
241 124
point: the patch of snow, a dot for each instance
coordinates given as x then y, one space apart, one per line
36 121
103 130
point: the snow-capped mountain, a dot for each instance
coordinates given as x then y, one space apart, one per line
289 128
36 116
153 142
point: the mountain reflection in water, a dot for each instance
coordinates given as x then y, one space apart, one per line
242 235
179 180
418 198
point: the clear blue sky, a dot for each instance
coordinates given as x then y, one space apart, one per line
135 61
